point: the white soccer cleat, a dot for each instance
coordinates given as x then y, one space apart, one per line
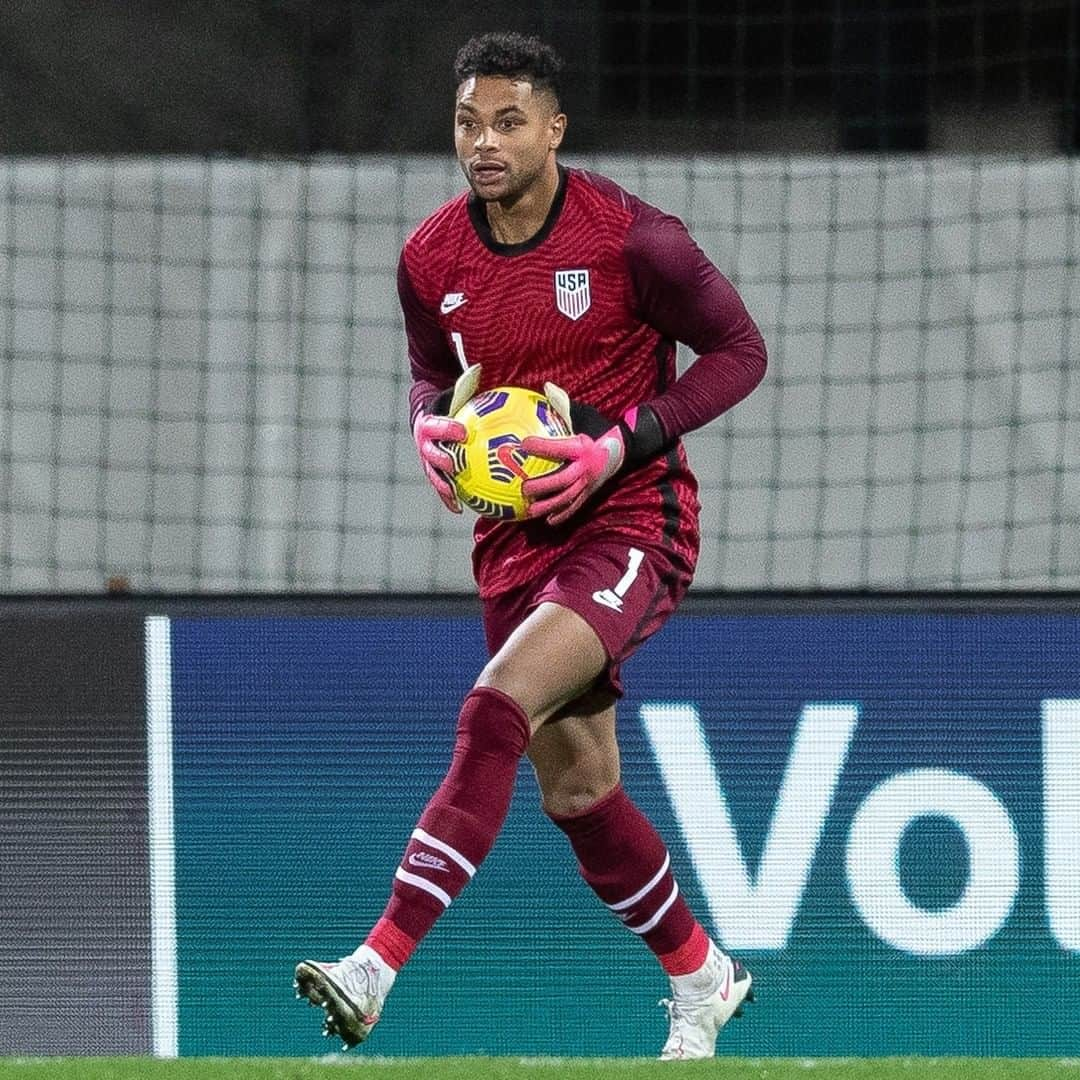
351 991
702 1004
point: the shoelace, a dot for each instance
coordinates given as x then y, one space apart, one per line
677 1013
678 1010
358 979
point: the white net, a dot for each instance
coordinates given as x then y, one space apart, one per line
203 379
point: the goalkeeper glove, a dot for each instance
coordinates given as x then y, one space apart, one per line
589 460
431 429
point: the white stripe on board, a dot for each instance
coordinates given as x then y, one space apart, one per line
164 1001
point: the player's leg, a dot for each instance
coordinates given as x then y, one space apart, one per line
575 755
625 862
550 658
547 660
621 856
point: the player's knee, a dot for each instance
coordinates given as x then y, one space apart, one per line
490 719
502 679
507 679
576 794
540 694
572 802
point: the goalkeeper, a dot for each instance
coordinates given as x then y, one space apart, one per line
545 276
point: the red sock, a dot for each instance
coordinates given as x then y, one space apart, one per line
459 824
624 861
392 944
689 956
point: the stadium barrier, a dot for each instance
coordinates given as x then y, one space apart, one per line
874 801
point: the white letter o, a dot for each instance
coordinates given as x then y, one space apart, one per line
873 862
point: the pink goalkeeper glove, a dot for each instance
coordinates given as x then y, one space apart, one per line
590 463
431 429
428 432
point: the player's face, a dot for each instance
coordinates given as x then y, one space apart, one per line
504 134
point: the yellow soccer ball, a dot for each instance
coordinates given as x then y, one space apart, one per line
490 466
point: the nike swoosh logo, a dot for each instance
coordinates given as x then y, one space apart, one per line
451 302
430 863
506 458
725 986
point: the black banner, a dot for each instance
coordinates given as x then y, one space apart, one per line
74 867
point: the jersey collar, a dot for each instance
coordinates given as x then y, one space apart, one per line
478 216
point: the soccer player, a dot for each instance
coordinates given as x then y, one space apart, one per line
548 277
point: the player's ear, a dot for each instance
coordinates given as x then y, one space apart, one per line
557 131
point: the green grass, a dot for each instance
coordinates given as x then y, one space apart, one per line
484 1068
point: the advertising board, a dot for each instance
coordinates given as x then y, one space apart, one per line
878 811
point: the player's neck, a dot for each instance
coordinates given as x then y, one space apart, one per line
520 220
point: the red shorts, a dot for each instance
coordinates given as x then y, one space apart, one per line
624 589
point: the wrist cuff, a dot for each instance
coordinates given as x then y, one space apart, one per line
642 434
440 405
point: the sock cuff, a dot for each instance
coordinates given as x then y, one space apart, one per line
487 699
566 822
689 956
392 944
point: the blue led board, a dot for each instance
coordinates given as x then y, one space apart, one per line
879 812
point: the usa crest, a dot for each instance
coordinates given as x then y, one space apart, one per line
572 296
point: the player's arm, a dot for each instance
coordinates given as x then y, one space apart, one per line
679 292
683 295
432 364
433 368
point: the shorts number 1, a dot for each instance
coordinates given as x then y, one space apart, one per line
613 598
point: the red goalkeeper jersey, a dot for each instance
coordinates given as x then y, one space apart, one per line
594 302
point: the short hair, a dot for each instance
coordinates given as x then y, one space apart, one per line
515 56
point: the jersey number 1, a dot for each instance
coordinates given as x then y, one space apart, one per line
459 348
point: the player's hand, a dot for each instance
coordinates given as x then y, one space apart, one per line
589 464
430 430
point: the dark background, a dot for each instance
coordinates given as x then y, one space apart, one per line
74 855
285 77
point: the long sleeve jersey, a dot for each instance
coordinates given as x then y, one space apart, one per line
594 302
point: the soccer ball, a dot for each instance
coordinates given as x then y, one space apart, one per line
490 466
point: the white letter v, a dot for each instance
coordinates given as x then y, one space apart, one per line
751 914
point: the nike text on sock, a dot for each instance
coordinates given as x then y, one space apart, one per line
434 866
463 817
